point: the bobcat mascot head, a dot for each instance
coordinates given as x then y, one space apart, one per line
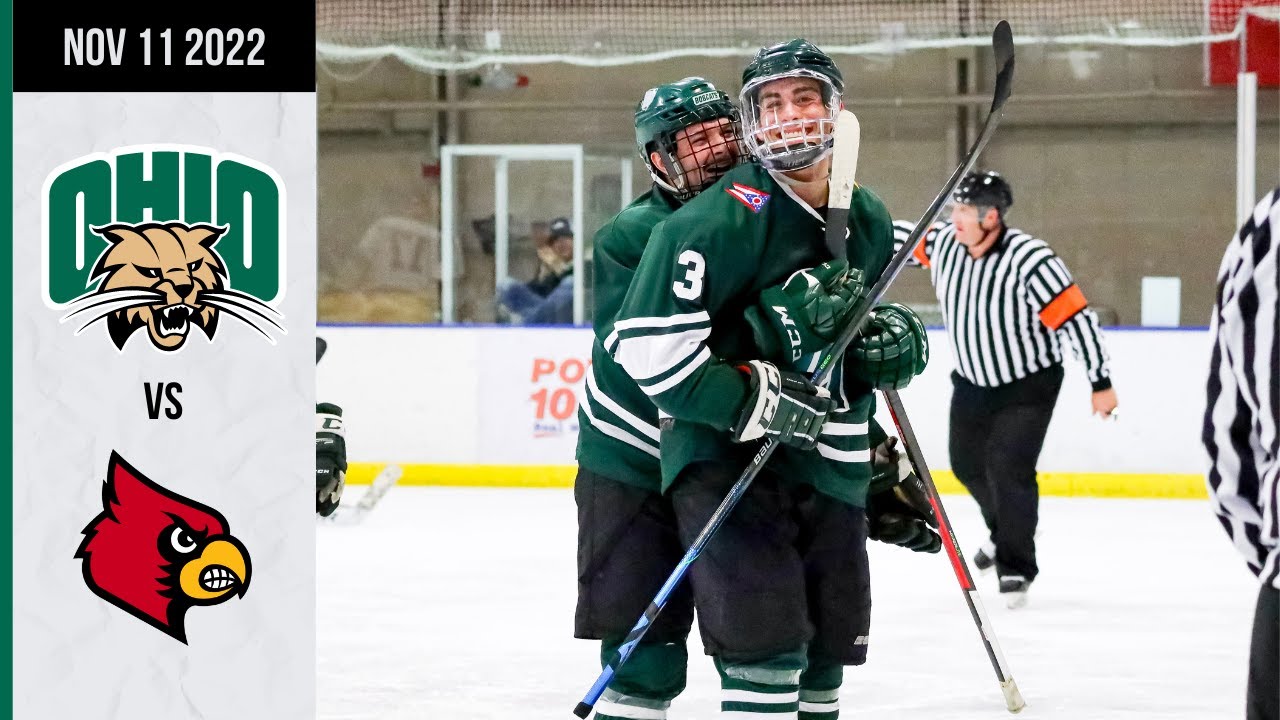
165 277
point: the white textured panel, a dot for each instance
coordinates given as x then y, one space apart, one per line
243 444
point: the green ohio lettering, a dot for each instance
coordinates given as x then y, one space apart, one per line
163 184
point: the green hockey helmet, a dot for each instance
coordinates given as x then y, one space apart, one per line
778 138
671 108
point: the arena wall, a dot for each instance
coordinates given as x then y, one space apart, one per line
496 406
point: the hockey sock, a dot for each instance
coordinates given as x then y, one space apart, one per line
646 682
761 690
820 690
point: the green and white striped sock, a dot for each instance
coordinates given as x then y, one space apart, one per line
767 690
819 704
820 690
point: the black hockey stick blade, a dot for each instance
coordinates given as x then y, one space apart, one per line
321 346
1002 45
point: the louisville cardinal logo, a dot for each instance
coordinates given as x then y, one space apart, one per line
154 553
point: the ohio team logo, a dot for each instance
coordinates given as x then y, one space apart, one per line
154 553
748 196
164 238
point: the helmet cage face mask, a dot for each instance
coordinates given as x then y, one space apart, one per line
792 144
687 184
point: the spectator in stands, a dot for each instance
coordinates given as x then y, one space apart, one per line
548 298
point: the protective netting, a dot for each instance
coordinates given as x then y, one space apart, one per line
463 34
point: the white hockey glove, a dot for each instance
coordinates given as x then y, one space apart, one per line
782 405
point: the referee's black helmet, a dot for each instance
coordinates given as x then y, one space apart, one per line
984 189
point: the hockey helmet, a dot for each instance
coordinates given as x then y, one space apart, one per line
984 189
671 107
779 143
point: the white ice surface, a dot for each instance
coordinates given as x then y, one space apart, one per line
457 604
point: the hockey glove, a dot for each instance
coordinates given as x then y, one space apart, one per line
331 458
892 348
805 313
898 508
782 405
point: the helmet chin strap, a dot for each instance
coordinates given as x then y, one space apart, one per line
988 233
663 183
661 180
785 177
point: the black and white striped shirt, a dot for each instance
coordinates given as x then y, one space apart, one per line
1008 312
1243 409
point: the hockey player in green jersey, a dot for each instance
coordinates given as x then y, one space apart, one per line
782 589
687 133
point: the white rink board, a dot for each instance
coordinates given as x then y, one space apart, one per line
472 395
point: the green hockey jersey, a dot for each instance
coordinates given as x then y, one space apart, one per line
618 423
680 329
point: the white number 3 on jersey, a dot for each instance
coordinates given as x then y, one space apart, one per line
690 288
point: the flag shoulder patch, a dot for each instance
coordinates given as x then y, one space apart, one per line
749 196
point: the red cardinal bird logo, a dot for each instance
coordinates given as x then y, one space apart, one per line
153 553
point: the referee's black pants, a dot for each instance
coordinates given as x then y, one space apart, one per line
1263 701
996 437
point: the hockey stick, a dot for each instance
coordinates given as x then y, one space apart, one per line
844 175
1012 697
1002 41
389 476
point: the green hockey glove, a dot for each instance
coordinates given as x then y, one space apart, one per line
782 405
891 349
898 507
805 313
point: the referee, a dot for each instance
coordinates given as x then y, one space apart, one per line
1242 430
1009 305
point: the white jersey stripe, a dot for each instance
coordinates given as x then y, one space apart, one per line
832 427
647 356
684 372
848 456
594 394
618 433
658 322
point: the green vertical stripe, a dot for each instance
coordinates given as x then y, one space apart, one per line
6 337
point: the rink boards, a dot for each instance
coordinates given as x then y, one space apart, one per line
495 406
